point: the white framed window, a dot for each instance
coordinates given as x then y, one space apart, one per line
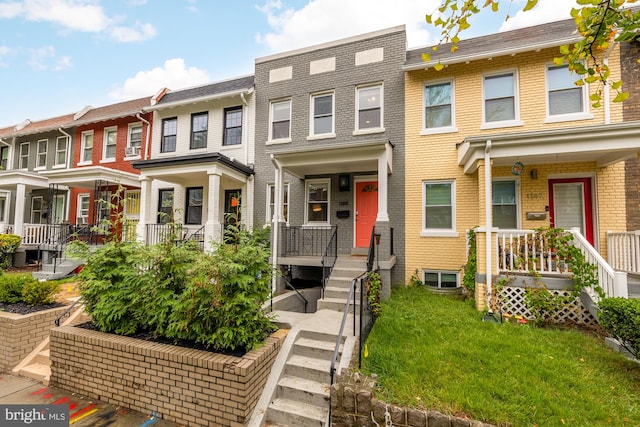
3 207
86 154
24 155
134 140
500 100
36 210
439 208
317 196
110 140
59 209
4 158
322 116
438 107
83 209
41 158
271 200
61 151
565 99
369 109
505 208
280 121
441 278
132 203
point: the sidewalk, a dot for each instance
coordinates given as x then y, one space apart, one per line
82 410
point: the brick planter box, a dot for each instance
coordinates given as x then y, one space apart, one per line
21 333
187 386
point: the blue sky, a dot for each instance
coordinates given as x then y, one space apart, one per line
57 56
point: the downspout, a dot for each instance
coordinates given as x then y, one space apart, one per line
607 90
488 222
69 150
69 154
146 142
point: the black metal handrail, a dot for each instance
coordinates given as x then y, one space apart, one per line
306 302
160 233
306 240
372 246
67 312
329 258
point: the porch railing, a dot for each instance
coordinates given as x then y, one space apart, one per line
329 258
306 240
160 233
6 228
623 251
36 234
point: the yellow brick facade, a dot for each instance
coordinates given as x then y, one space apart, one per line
435 157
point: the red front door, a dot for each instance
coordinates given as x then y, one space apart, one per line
570 205
366 211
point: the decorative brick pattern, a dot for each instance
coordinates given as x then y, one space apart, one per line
20 334
187 386
353 404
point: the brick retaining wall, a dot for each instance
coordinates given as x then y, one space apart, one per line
21 333
353 404
187 386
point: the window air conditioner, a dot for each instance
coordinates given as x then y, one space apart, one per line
131 151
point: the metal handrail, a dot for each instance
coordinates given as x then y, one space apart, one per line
306 301
67 312
326 269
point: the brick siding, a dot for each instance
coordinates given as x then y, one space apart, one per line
631 111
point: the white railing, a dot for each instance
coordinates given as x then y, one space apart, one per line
523 251
35 234
623 250
6 228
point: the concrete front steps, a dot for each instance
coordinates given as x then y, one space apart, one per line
339 283
63 269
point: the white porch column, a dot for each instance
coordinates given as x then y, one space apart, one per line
247 202
21 200
278 218
145 209
383 188
213 226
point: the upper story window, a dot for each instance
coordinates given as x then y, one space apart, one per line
322 114
565 99
41 160
110 139
271 201
61 151
438 107
134 139
369 106
317 201
87 147
504 204
232 126
280 122
24 155
500 100
439 213
199 128
169 135
4 158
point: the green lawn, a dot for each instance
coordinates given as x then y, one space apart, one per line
434 352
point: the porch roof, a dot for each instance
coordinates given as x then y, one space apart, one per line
603 144
11 178
338 158
85 177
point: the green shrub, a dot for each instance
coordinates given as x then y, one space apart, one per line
8 245
37 293
11 286
620 317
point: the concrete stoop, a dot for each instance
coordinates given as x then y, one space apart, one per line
339 283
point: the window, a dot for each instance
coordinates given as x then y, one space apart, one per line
271 198
232 126
4 158
504 204
103 203
59 209
439 202
83 209
318 201
369 105
36 210
41 158
24 155
194 206
281 120
132 203
438 108
199 126
165 206
440 279
110 139
499 98
169 135
564 96
61 151
3 207
322 114
134 140
87 147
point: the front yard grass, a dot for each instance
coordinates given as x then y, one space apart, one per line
434 352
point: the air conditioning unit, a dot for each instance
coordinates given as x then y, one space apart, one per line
132 151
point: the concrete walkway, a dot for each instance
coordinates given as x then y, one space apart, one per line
82 410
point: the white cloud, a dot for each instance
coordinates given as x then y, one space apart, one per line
173 75
77 15
545 11
293 28
45 58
